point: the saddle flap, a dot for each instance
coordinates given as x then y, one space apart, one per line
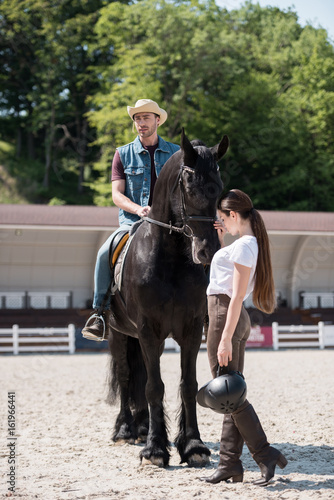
117 246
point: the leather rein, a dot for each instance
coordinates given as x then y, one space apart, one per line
185 229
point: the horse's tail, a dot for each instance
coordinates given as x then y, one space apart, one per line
134 373
113 386
138 375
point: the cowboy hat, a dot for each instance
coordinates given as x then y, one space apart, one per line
148 106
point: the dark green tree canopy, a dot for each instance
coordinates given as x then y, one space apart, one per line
71 68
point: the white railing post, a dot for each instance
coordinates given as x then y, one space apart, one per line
15 339
321 326
275 335
71 337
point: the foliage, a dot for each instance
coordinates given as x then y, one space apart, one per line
253 73
44 88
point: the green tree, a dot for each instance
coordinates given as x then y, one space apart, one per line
48 80
281 113
71 68
17 52
171 53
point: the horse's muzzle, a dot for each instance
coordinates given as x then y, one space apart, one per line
202 251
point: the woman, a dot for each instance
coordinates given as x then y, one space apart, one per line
236 271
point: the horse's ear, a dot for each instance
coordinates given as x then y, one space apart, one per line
189 153
220 149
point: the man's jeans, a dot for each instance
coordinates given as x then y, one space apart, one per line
102 276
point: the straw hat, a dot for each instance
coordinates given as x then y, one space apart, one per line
148 106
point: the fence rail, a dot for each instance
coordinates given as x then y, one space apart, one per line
18 339
298 335
312 300
319 336
36 300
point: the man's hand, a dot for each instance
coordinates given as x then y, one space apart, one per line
143 211
122 201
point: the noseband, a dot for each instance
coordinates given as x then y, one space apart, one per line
185 229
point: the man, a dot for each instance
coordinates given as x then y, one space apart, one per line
135 169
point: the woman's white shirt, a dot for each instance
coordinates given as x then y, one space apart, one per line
243 251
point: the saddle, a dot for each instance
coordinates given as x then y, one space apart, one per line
117 253
116 247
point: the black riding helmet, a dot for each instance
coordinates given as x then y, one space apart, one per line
223 394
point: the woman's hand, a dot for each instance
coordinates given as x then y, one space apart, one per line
221 230
220 226
224 352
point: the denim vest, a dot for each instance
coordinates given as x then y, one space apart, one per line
136 162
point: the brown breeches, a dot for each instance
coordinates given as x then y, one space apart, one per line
217 308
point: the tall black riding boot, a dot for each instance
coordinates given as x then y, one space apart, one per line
266 456
230 466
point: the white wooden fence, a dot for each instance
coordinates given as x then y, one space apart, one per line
298 335
17 340
319 336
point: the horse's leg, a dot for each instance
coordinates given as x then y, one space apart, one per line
141 415
141 422
188 442
124 430
137 385
156 450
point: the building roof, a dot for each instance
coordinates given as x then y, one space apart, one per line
103 218
57 217
298 222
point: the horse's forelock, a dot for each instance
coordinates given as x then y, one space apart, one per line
206 162
205 165
197 142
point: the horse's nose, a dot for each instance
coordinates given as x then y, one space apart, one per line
205 254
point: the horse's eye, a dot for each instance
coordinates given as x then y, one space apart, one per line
189 178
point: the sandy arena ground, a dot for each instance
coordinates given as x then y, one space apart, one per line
63 427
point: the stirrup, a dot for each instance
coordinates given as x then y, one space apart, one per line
91 336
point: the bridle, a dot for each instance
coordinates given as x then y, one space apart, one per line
185 229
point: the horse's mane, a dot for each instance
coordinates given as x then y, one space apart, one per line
169 173
203 153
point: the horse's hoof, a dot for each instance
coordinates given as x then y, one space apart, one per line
120 442
158 461
141 439
197 460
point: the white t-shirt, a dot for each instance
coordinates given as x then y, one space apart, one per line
243 251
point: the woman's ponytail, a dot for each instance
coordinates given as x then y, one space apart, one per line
264 297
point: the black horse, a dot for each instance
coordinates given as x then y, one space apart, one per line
162 295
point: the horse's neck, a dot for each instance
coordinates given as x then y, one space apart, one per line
170 245
161 209
166 191
163 215
172 242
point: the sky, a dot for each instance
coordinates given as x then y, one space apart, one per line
318 13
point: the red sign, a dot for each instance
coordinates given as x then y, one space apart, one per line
260 336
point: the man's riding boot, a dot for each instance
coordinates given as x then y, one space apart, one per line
96 327
231 444
266 456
